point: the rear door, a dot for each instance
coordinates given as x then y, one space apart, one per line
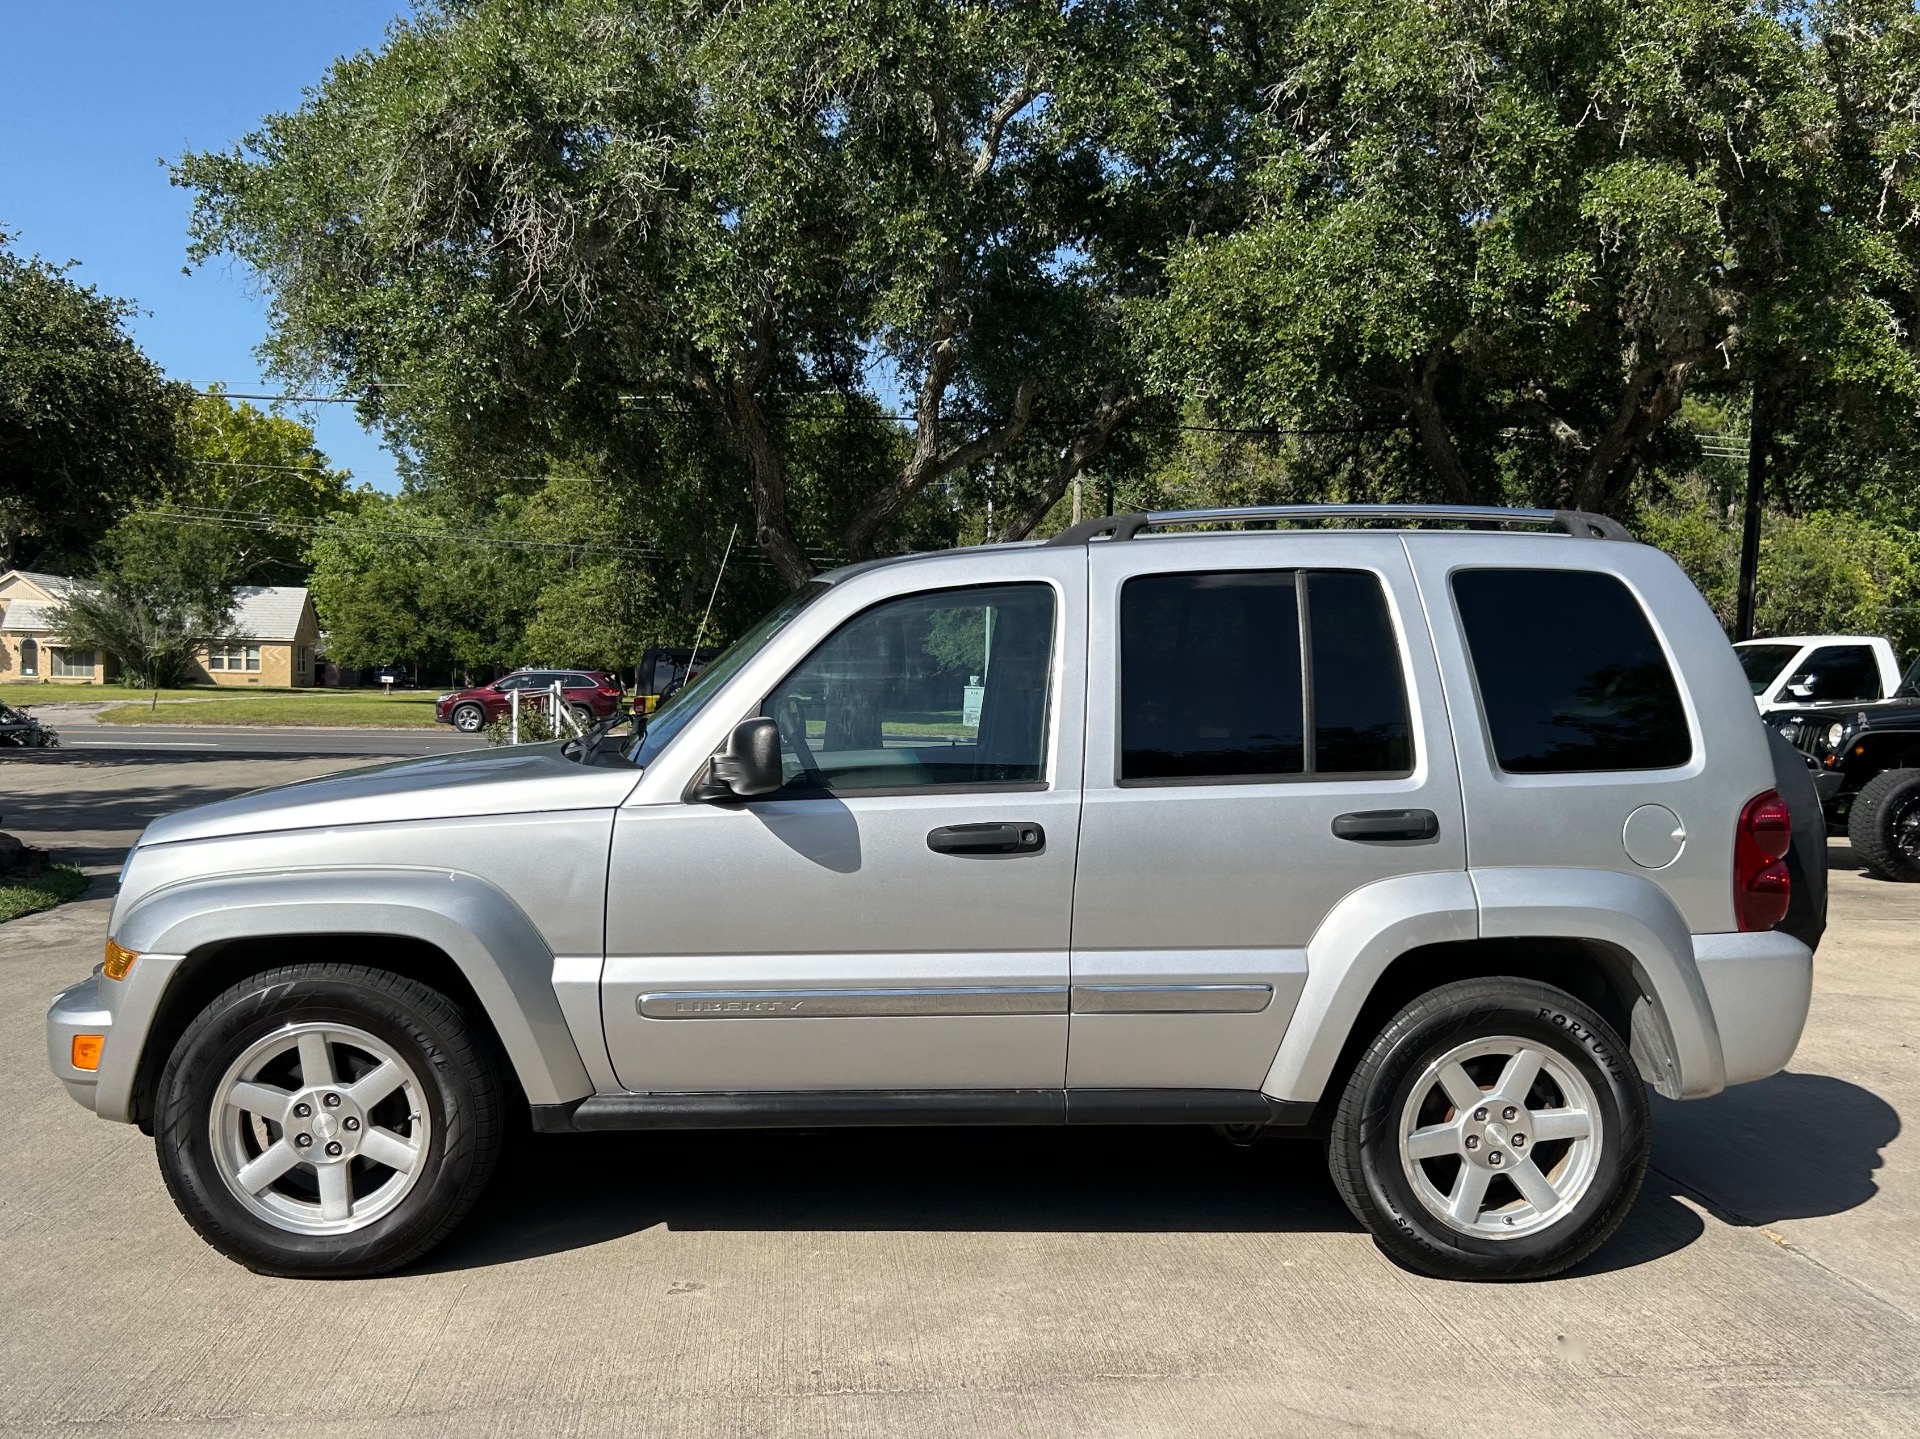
1257 750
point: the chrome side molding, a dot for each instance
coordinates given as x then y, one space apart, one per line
853 1003
956 1000
1171 998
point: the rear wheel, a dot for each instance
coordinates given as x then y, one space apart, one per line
1884 824
468 718
1495 1129
327 1120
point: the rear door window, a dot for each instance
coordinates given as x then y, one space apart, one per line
1216 683
1570 673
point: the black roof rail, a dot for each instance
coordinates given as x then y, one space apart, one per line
1579 523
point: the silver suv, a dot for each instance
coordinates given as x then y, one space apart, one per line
1435 833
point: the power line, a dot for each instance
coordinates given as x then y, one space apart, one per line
1266 431
326 470
241 519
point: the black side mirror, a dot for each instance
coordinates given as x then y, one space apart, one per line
748 764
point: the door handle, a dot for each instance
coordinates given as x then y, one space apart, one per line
1387 824
1016 837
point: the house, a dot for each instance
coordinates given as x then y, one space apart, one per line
280 635
27 648
276 621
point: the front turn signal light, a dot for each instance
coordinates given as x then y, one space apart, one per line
86 1051
118 962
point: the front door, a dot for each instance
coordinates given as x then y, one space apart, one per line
1257 708
897 915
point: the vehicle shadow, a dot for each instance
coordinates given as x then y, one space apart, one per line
561 1192
1794 1146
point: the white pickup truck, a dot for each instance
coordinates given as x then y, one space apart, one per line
1790 671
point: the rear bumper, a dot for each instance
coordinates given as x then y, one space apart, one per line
1759 986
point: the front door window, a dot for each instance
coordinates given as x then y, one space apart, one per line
932 690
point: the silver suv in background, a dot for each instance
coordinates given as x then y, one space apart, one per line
1439 842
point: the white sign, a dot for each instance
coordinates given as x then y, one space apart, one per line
973 695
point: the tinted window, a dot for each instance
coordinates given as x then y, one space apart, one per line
1571 677
1840 672
1762 663
1358 696
1211 677
944 688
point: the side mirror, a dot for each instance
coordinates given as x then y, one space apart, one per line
1801 687
748 764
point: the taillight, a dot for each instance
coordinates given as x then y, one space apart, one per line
1761 885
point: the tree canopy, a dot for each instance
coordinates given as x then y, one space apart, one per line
87 422
857 282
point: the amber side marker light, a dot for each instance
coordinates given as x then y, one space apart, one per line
86 1050
118 962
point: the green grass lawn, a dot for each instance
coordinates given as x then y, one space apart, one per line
27 896
411 709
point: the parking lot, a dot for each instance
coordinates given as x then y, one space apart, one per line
964 1282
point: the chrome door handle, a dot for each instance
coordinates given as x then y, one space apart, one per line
998 837
1376 825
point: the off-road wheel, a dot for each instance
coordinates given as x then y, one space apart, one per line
1495 1129
1884 824
327 1120
469 718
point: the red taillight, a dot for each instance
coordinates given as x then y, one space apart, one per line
1761 885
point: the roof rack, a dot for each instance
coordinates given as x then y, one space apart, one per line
1579 523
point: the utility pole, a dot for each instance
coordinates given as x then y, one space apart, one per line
1759 441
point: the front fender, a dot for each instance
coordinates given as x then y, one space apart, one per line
483 932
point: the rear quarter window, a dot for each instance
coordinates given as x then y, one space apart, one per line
1571 676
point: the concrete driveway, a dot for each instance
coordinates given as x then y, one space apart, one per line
1035 1283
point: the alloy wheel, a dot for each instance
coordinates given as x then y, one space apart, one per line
1500 1137
320 1128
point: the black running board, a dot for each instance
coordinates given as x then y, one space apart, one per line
852 1108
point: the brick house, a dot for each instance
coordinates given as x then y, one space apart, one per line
277 621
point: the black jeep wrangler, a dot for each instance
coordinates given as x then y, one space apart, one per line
1865 759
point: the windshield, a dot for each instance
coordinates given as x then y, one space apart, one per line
673 714
1763 663
1910 686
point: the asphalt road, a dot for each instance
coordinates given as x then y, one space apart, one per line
976 1283
162 740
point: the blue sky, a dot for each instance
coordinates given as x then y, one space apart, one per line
93 95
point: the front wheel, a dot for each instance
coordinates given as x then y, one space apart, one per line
327 1120
1495 1129
1884 824
468 718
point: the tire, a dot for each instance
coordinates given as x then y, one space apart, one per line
1884 824
583 716
410 1104
468 719
1398 1090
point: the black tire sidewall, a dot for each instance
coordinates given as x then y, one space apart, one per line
461 714
1871 819
392 1011
1527 1011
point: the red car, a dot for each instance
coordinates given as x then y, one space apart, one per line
590 694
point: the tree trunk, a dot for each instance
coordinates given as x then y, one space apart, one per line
1430 429
1109 414
771 530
